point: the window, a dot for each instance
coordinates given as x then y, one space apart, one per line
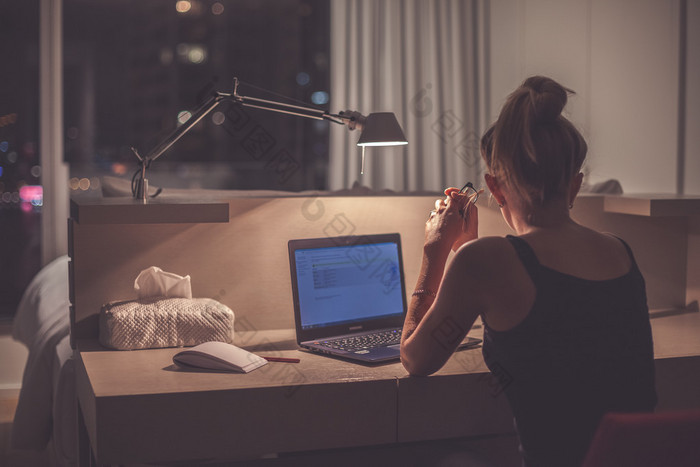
133 70
20 172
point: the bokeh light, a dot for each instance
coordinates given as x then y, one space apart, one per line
183 116
217 8
303 78
32 194
118 168
196 54
191 53
319 97
218 118
183 6
8 119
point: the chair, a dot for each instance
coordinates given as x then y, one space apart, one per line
664 439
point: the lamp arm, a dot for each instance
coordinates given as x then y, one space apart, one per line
289 109
180 131
140 184
352 119
343 118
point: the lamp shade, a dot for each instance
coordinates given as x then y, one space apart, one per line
381 129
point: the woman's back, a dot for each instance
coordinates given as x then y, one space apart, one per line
576 342
566 321
571 250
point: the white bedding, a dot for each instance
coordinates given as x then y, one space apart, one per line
46 407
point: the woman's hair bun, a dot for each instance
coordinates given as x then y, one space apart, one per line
547 98
534 149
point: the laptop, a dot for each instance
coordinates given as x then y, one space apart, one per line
350 296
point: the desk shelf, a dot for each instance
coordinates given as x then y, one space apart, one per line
155 211
653 205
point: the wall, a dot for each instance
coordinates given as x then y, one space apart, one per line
622 59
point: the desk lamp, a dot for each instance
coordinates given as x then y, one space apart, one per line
378 129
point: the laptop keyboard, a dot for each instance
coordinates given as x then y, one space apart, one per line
365 341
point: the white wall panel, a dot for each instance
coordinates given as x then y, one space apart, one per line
634 93
622 59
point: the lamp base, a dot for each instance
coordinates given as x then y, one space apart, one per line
141 189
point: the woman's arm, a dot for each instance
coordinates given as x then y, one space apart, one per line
435 322
436 326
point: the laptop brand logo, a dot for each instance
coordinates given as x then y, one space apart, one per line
354 328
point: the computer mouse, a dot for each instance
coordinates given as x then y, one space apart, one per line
219 356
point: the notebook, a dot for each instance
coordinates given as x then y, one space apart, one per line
350 296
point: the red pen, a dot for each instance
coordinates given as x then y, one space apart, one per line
282 359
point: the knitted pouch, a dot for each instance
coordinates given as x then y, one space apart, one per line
157 322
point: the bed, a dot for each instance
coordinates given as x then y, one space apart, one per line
46 415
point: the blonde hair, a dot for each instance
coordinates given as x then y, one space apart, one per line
532 147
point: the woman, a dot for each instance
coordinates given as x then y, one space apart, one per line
563 306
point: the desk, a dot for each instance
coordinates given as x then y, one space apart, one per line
138 407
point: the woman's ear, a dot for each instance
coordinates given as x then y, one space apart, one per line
575 187
495 189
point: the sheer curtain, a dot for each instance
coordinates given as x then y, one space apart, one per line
426 61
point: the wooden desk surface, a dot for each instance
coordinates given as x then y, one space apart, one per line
153 372
135 403
676 335
139 407
677 353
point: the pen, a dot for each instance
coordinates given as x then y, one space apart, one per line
282 359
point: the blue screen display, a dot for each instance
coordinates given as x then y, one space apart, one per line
346 284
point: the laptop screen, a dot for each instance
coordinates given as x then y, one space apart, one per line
342 284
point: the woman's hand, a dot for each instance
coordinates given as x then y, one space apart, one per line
453 222
470 216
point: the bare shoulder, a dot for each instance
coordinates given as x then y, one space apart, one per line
492 264
484 245
580 251
486 253
607 244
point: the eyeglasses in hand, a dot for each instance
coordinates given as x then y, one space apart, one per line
471 192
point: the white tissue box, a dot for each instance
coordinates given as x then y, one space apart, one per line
158 322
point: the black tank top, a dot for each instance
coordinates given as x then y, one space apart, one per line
584 349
